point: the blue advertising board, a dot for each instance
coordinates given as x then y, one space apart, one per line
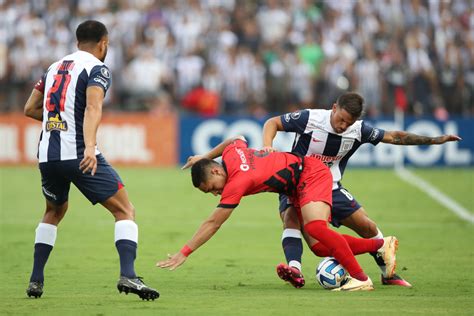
198 135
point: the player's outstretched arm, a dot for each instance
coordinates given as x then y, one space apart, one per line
34 106
207 229
405 138
213 153
270 128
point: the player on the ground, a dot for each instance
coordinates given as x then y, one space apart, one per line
68 100
307 181
333 136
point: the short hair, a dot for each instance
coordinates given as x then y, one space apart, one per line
90 31
352 102
200 171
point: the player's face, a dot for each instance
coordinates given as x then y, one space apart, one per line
341 119
215 182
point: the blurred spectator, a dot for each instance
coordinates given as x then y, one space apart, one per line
258 56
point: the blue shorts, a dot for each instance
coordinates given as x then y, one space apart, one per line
56 178
343 205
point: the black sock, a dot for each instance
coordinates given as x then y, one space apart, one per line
127 250
41 255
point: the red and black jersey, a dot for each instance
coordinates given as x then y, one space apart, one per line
251 171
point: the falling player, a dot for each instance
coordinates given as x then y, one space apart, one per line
307 181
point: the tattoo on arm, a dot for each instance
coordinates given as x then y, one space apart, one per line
404 138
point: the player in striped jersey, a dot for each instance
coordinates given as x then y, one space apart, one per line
68 100
333 136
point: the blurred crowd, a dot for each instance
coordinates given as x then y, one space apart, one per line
254 57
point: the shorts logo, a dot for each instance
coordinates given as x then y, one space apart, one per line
287 117
295 115
47 193
105 72
56 124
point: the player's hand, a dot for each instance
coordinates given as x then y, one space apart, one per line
447 138
191 161
269 149
89 162
172 262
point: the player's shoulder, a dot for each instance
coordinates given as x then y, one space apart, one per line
354 131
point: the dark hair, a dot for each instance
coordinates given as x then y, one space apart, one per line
90 31
352 102
199 171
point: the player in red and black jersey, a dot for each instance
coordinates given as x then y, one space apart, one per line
308 183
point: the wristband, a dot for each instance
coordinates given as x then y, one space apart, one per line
186 251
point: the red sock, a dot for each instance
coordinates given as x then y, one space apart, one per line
358 246
337 246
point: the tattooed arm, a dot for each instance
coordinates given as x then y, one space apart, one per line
404 138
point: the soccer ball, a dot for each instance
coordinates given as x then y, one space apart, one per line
330 274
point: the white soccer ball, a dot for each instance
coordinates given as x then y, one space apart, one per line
330 274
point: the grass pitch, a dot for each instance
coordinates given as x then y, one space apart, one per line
234 273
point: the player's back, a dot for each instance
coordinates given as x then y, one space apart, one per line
64 87
261 171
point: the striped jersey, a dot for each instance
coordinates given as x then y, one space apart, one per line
64 88
315 137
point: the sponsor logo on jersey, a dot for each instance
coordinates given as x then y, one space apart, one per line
374 135
56 124
326 159
243 166
316 140
102 81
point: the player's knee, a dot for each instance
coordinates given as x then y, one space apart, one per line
125 212
54 213
369 229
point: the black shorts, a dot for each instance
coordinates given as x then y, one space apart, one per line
56 178
343 205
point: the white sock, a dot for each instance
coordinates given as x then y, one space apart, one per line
126 229
379 235
46 234
290 232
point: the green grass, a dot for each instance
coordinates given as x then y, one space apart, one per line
233 274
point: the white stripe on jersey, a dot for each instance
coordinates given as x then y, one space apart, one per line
316 137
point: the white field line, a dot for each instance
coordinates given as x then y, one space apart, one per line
435 194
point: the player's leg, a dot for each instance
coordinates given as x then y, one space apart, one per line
292 245
106 188
55 189
360 222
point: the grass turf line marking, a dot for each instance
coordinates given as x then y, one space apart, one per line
435 194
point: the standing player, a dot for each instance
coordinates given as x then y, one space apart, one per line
333 136
68 100
307 181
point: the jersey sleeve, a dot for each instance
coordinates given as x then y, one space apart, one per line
100 76
370 134
233 192
296 121
40 84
